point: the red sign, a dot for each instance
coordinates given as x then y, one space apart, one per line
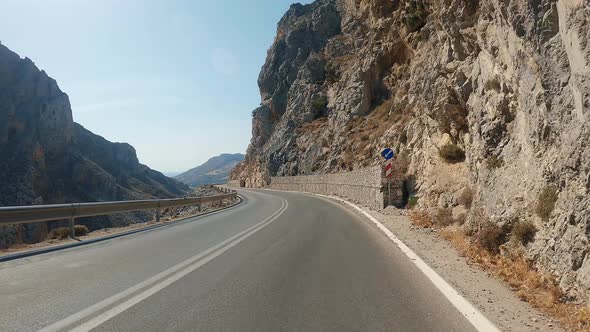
388 170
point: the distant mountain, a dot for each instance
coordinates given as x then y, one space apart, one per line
46 158
215 170
171 174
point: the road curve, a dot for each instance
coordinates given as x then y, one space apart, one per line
278 262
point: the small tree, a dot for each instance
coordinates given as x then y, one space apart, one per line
451 153
319 104
546 201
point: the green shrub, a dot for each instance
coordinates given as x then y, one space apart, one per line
494 162
490 237
81 230
332 74
412 202
59 233
546 201
443 217
319 104
451 153
523 232
415 15
8 235
492 84
62 233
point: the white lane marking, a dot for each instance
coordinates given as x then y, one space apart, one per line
475 317
157 282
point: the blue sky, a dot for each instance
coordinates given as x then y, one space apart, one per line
174 78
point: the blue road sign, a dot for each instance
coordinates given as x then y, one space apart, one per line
387 153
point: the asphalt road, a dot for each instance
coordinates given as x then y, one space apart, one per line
278 262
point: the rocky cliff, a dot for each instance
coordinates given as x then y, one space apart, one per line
45 157
216 170
490 97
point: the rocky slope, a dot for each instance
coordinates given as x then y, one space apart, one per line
214 171
45 157
503 85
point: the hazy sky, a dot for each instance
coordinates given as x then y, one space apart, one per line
174 78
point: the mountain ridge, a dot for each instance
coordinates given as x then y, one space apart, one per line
47 158
216 170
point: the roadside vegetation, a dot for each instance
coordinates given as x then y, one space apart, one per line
62 233
546 201
494 162
523 232
491 247
412 202
443 217
466 197
421 218
452 153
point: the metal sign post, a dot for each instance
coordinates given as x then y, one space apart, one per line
388 192
388 174
388 154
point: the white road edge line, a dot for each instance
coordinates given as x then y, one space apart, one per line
473 315
157 282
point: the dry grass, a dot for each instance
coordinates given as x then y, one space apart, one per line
443 217
62 233
539 289
466 197
420 218
532 286
490 237
314 126
461 219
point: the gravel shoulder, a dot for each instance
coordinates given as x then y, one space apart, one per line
491 296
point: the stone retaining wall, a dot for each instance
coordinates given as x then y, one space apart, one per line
233 183
363 186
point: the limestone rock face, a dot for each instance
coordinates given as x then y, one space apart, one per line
508 82
45 157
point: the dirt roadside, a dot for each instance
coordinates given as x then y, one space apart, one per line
492 297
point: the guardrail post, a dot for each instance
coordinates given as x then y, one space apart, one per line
72 222
72 228
158 215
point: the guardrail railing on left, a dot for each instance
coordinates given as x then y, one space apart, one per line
11 215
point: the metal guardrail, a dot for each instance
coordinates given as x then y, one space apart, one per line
11 215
